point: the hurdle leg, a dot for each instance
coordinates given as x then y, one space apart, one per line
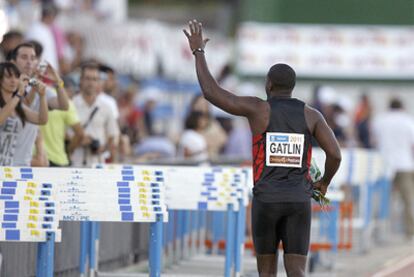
170 238
93 254
229 241
239 249
97 241
186 234
83 248
155 247
45 254
179 237
194 225
202 235
385 197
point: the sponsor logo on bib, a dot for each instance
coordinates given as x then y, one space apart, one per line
284 149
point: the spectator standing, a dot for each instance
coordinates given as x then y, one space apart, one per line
13 113
394 133
193 145
54 133
26 60
107 92
10 40
214 134
96 118
363 122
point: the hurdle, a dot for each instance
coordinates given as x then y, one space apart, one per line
30 213
78 185
191 190
99 195
362 170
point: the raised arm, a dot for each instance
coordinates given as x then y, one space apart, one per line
40 117
249 107
61 101
327 141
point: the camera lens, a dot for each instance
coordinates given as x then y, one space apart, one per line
32 82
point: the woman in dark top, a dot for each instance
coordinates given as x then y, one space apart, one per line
13 112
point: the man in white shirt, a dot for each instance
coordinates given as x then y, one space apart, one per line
394 134
109 88
107 94
96 116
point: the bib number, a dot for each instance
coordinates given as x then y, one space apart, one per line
284 149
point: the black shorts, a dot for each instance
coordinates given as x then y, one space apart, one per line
287 222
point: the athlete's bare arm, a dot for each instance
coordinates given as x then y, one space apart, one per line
255 109
327 141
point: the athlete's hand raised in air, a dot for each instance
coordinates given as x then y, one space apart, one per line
195 37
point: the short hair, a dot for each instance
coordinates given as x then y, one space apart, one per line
38 47
12 34
282 76
106 69
396 104
15 51
89 66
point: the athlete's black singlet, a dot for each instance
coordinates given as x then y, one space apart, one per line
282 154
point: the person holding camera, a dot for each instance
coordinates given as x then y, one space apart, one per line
96 117
14 114
25 57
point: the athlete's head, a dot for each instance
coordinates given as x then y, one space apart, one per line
281 79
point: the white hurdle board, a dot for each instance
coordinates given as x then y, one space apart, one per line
201 188
122 195
29 211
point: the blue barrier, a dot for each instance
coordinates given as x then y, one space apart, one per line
45 254
229 241
84 235
240 237
155 255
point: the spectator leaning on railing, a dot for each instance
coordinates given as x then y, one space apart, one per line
14 115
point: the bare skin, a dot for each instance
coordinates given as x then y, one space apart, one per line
10 84
27 62
256 110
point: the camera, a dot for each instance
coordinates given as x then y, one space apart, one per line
42 67
33 82
94 146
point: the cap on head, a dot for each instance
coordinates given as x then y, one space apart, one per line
282 77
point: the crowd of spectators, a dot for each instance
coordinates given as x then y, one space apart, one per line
93 115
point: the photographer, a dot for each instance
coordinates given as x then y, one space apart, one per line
96 117
26 59
14 114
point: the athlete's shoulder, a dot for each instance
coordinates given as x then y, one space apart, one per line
311 110
312 117
258 105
